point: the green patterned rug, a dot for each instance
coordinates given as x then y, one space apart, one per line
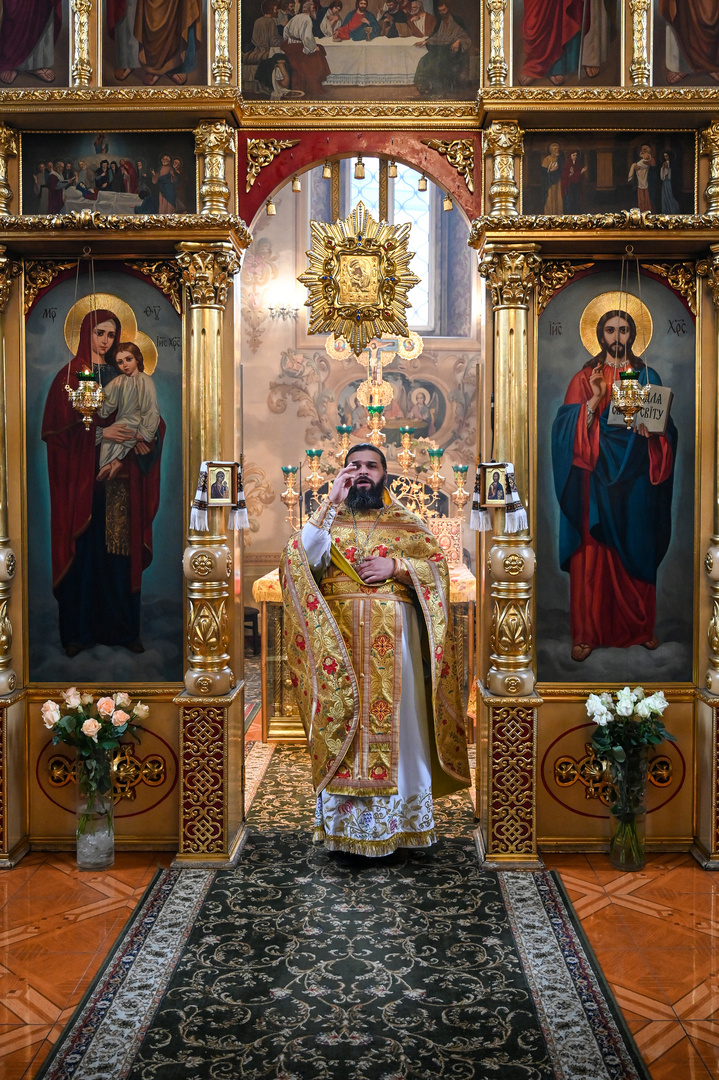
306 965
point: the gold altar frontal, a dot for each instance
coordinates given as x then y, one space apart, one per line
280 716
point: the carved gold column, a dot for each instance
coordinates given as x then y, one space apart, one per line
639 69
709 268
709 145
8 148
8 678
706 840
497 68
211 764
504 141
508 728
222 65
207 272
80 30
214 140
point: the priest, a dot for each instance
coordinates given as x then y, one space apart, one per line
372 659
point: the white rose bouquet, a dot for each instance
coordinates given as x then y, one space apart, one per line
628 723
625 720
95 729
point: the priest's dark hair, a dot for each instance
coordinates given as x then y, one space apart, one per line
367 446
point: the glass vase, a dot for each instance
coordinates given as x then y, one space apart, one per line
94 825
628 812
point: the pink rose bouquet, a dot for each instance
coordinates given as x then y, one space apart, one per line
95 729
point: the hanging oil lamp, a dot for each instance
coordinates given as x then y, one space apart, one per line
88 397
628 395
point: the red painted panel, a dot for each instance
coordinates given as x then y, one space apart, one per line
316 146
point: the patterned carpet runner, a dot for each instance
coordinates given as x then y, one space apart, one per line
306 965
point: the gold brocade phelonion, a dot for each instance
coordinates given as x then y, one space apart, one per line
361 549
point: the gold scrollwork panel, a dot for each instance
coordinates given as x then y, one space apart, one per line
511 796
203 810
592 772
127 768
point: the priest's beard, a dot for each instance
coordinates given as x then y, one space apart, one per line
365 498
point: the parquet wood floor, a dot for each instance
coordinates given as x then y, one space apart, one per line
656 935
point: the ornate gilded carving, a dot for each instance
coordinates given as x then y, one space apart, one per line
497 68
709 268
621 220
511 633
128 771
511 824
8 270
359 114
639 69
222 65
81 67
135 223
552 276
592 772
459 154
207 634
511 275
504 141
214 140
513 564
202 563
38 275
165 273
262 152
604 97
358 278
8 148
208 273
681 276
510 639
709 562
709 145
8 678
203 745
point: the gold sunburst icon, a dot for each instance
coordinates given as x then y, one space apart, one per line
358 278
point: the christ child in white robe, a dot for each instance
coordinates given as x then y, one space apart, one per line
133 395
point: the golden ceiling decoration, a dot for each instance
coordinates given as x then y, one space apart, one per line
358 278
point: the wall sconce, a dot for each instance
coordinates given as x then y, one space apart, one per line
359 168
392 169
447 203
283 311
422 183
270 208
296 184
327 171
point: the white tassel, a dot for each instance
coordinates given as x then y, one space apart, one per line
480 521
198 514
198 519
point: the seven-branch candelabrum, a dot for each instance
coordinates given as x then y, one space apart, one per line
460 496
629 396
375 423
88 397
315 479
290 497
